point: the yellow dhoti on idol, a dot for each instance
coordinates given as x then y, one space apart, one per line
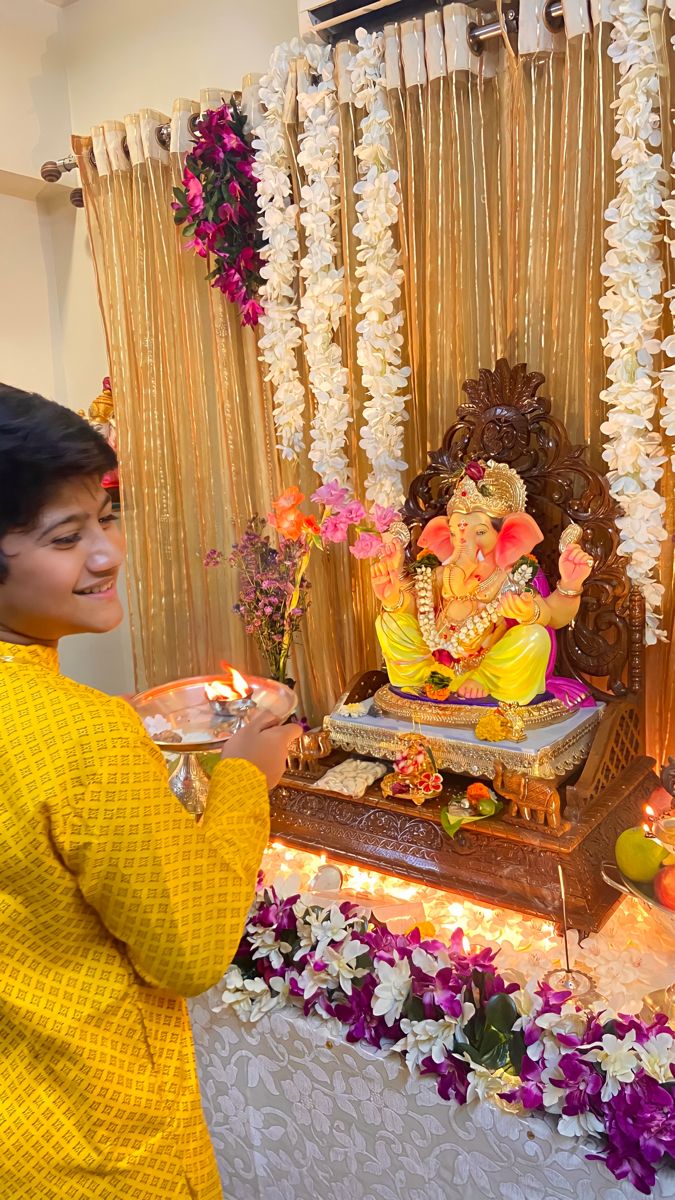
512 671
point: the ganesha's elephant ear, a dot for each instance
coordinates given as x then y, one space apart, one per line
518 535
435 537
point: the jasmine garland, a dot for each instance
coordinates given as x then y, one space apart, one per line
632 305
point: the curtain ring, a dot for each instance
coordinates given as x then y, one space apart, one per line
192 125
163 136
554 17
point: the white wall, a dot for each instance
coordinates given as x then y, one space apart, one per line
134 54
26 349
34 98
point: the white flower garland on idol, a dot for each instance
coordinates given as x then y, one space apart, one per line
323 305
633 305
281 333
668 345
379 279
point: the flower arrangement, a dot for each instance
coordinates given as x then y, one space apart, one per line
323 303
632 306
667 375
343 514
379 277
217 205
450 1014
274 590
281 333
415 776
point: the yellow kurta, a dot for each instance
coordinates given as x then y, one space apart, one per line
113 905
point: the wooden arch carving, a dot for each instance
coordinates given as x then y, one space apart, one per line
504 418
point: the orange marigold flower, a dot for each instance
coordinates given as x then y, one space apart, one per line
476 792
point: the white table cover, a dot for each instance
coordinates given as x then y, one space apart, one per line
296 1113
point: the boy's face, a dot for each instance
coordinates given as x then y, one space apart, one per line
62 575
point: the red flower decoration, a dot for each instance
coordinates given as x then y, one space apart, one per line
430 783
475 471
217 205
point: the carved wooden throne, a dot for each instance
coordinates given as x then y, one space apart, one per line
504 418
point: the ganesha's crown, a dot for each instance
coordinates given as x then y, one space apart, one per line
493 488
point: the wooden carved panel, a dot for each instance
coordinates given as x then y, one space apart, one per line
504 418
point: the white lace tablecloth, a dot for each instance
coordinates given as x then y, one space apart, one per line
296 1113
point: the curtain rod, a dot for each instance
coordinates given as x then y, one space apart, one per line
477 36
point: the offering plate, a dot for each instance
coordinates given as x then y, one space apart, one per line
181 720
617 880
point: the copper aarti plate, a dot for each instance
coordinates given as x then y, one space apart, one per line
192 726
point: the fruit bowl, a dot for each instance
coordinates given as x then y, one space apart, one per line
640 891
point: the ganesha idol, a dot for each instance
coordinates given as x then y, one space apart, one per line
473 620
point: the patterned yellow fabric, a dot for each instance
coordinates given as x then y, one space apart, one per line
113 905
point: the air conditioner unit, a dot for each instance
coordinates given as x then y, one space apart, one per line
333 20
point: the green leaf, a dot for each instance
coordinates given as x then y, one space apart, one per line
450 827
415 1009
501 1013
517 1051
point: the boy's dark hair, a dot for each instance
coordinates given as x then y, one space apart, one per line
41 445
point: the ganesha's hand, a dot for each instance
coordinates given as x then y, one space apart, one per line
575 566
385 573
393 555
520 607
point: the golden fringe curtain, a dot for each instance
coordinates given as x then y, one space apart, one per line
506 171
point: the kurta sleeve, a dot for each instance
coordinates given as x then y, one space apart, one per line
174 892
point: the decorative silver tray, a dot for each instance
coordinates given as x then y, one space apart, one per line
181 720
188 713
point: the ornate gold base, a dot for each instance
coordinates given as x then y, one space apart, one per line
464 716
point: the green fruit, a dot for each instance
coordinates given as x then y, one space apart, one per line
487 807
637 856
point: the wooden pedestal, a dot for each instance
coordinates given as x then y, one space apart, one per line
492 860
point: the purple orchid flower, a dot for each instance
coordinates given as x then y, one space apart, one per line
194 193
582 1085
452 1077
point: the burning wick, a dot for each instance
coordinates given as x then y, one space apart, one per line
648 825
231 696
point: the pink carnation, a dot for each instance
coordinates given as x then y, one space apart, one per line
335 528
330 494
354 512
383 518
366 545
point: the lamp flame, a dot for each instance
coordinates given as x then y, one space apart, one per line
650 814
231 687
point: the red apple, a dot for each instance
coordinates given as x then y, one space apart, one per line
664 886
